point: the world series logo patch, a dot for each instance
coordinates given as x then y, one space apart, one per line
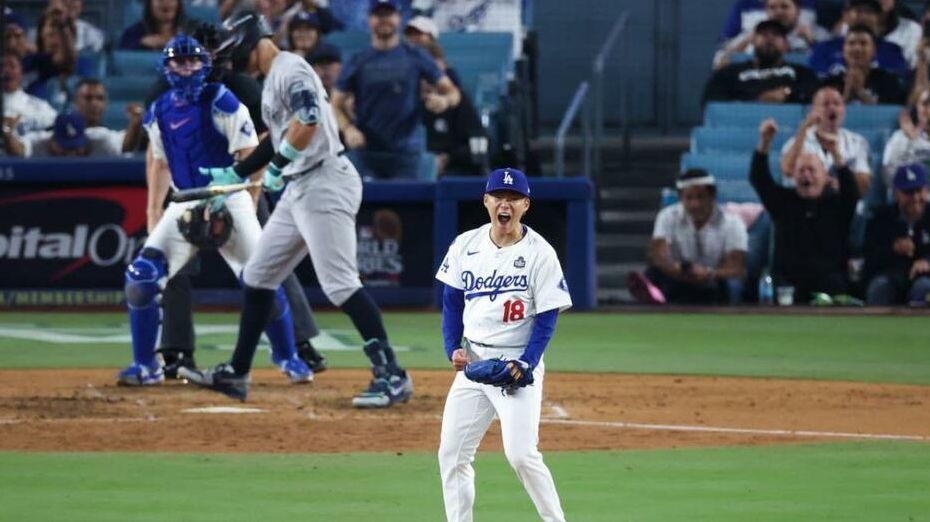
519 263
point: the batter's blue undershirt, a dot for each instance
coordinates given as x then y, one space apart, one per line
453 328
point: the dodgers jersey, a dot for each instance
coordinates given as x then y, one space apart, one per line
292 87
504 287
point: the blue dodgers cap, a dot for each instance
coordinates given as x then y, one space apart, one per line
305 18
910 177
390 4
69 130
508 179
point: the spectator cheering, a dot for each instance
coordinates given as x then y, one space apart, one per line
90 100
697 253
827 57
385 139
823 131
812 220
161 21
68 138
897 243
22 112
56 59
859 81
87 36
904 32
767 78
910 144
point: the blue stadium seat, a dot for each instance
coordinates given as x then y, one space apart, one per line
736 114
721 166
136 63
350 42
872 116
128 88
705 140
203 13
736 191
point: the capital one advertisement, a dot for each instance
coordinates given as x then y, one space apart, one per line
70 246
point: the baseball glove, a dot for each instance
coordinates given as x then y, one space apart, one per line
508 374
205 225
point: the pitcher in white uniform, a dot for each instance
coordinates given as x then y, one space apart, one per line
503 292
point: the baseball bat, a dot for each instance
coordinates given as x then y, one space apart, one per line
210 191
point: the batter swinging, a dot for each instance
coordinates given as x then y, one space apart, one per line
503 291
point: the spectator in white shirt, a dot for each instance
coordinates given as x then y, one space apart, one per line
822 127
910 144
70 137
22 112
697 253
90 100
89 37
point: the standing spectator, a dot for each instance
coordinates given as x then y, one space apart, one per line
800 36
698 251
859 81
822 131
745 14
22 112
456 135
326 60
385 82
161 21
910 144
421 31
827 57
90 100
767 78
897 243
69 137
303 34
812 221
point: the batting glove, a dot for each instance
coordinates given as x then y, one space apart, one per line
216 203
273 182
221 175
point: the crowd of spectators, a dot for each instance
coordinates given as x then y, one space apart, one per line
51 69
841 233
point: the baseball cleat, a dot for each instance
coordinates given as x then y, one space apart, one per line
175 360
312 357
140 375
221 378
296 370
385 390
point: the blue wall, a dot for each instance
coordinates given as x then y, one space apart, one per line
671 45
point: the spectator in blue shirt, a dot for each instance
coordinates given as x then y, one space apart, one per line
386 138
827 57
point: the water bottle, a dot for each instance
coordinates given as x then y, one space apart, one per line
766 290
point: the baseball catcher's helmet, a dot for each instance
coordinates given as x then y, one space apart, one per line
179 59
243 31
206 232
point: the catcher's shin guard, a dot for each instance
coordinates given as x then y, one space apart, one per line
142 289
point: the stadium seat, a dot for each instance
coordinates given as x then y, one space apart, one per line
203 13
705 140
736 114
136 63
128 88
795 58
115 115
721 166
736 191
872 116
350 42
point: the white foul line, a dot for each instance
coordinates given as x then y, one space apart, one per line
745 431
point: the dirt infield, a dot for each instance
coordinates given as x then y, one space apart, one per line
83 410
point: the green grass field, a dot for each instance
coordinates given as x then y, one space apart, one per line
853 481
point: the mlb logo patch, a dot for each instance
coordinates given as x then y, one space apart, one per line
519 263
563 286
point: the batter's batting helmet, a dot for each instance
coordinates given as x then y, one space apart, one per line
243 31
206 232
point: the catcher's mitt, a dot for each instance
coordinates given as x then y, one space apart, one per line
204 227
508 374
